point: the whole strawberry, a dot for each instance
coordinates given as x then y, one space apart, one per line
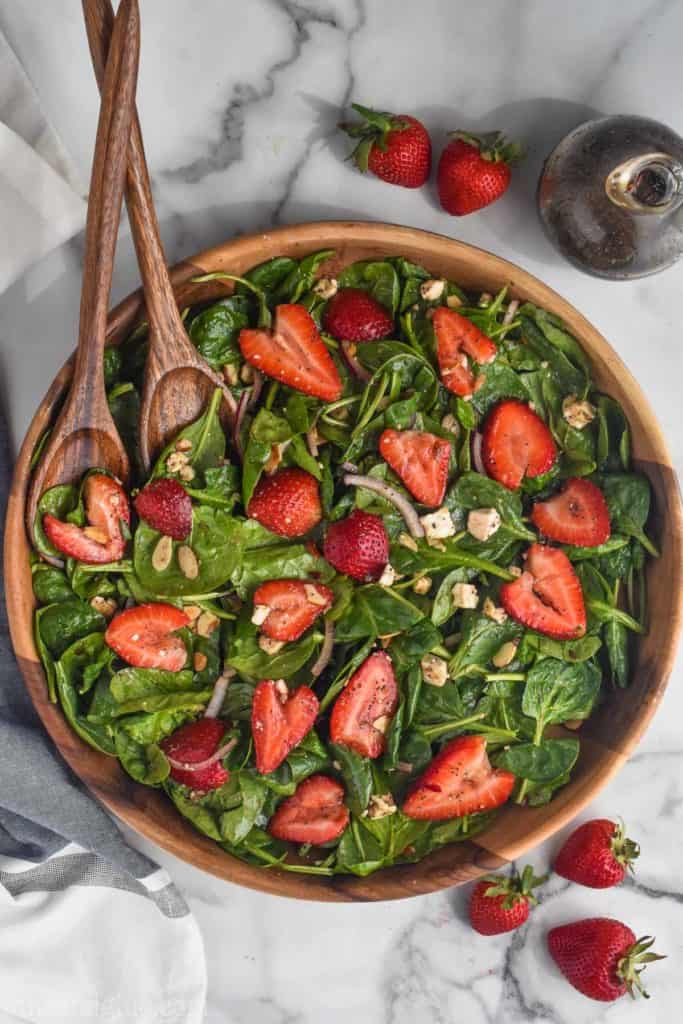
358 546
287 503
353 315
474 171
601 957
598 854
395 147
500 904
166 506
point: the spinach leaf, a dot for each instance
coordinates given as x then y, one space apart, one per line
301 277
428 559
266 430
481 638
69 675
376 611
534 644
628 500
236 824
245 655
475 491
270 276
408 648
131 684
442 606
616 638
558 691
571 378
136 739
216 540
549 760
221 490
208 442
215 330
377 277
614 436
276 561
58 502
63 623
50 585
499 380
356 772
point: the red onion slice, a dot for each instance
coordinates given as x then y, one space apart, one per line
218 696
323 659
197 766
510 312
409 514
237 426
256 389
477 458
354 366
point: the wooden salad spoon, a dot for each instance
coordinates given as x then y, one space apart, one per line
178 382
84 435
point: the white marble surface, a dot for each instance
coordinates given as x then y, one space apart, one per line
238 103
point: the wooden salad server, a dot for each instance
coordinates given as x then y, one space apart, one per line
84 435
178 382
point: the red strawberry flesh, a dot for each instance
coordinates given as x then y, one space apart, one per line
166 506
315 813
547 596
106 507
456 339
143 636
578 515
279 721
294 606
420 460
516 443
192 744
596 854
600 957
361 712
458 781
293 353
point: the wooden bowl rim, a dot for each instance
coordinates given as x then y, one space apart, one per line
131 801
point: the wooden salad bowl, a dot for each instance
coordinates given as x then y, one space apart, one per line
608 738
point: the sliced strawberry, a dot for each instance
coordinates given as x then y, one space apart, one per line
577 515
106 505
353 315
167 507
293 353
279 721
459 781
421 460
288 502
362 711
196 743
294 606
315 813
547 596
516 443
144 636
456 338
358 546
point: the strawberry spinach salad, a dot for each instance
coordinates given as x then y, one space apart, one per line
347 613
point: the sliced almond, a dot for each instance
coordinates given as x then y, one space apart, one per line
162 554
96 534
187 560
104 605
193 611
281 689
270 646
381 724
406 541
186 473
206 623
313 596
260 614
183 445
200 661
573 723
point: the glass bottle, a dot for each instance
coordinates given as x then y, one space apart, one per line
611 197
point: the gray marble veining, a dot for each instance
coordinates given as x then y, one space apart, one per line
239 104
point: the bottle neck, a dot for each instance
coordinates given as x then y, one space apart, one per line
651 183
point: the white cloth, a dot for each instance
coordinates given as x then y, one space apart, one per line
82 942
41 205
